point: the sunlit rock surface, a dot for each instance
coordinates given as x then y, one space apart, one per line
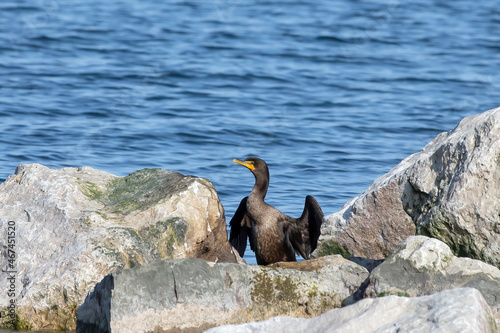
75 226
192 294
450 191
423 266
457 310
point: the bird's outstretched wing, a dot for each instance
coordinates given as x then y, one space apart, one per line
240 228
303 233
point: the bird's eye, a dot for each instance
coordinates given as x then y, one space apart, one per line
250 162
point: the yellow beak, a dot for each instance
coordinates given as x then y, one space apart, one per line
245 164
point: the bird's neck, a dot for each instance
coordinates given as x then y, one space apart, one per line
260 188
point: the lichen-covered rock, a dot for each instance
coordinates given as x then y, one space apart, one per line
450 191
193 294
423 266
74 226
457 310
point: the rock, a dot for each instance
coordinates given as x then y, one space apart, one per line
450 191
74 226
192 294
457 310
314 265
369 264
423 266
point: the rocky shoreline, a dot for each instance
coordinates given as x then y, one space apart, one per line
418 250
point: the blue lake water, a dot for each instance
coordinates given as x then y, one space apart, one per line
332 94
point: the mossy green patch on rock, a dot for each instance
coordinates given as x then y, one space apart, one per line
62 317
313 291
137 191
89 189
142 189
327 302
167 235
13 323
464 248
330 247
273 291
492 323
65 316
459 241
436 228
391 293
133 254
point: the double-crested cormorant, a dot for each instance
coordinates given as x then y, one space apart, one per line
273 235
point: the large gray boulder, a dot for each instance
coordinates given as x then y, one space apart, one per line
450 191
423 266
193 294
75 226
457 310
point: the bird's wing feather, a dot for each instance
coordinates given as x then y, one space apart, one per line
240 228
303 233
315 219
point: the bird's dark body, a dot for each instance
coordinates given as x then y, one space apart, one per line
273 235
267 227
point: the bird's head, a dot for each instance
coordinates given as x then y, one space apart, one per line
260 171
256 165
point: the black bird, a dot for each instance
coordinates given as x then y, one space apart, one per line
273 235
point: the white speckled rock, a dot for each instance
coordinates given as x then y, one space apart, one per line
423 266
450 191
74 226
457 310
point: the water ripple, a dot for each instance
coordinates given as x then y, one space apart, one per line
331 96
